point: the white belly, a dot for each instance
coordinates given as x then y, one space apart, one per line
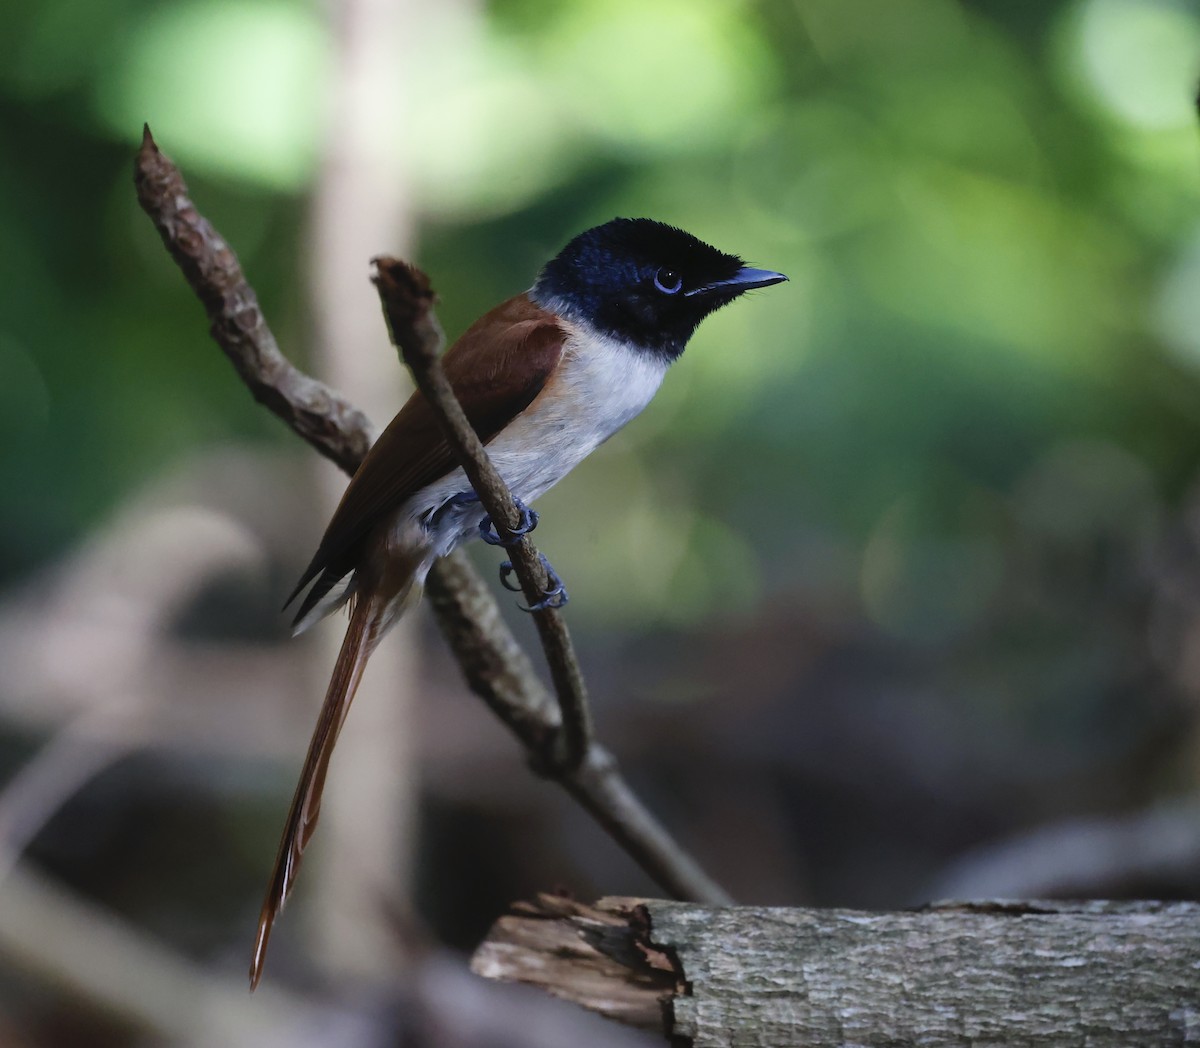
599 386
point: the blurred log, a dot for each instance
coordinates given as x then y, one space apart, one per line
955 975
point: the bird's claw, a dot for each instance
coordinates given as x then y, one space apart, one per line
555 593
506 569
529 521
554 596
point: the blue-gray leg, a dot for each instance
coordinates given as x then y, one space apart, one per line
487 531
529 521
555 594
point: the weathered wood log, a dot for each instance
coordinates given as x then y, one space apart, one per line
1028 974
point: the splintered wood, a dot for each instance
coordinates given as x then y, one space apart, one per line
596 956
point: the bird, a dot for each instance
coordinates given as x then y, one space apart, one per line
544 378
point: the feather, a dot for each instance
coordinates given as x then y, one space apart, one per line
496 369
369 618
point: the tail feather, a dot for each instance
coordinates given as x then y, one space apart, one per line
317 594
366 620
317 605
376 601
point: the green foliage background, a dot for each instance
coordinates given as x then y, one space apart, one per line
925 487
987 210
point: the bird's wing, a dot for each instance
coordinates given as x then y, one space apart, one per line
496 368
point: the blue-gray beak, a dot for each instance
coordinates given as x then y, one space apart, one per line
744 279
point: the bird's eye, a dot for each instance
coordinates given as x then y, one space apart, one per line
668 281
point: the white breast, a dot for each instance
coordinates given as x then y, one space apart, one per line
599 386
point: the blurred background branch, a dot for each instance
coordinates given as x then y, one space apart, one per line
52 933
1083 858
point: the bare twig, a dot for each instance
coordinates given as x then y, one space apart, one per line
499 672
408 306
332 425
495 666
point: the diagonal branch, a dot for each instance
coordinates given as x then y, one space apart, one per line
495 666
331 424
408 306
499 672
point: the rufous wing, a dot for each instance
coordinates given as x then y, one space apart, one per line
496 369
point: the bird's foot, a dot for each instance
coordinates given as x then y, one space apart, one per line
555 594
529 521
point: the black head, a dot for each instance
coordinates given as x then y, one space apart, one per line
644 282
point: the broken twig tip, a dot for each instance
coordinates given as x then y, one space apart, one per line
401 282
407 296
149 146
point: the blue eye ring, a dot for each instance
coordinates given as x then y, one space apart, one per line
668 281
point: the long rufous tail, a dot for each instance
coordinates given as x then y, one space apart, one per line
367 624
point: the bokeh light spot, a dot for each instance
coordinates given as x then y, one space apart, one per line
651 77
1138 58
227 86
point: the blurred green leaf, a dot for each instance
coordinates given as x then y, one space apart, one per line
236 86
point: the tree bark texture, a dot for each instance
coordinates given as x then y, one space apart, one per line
966 975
